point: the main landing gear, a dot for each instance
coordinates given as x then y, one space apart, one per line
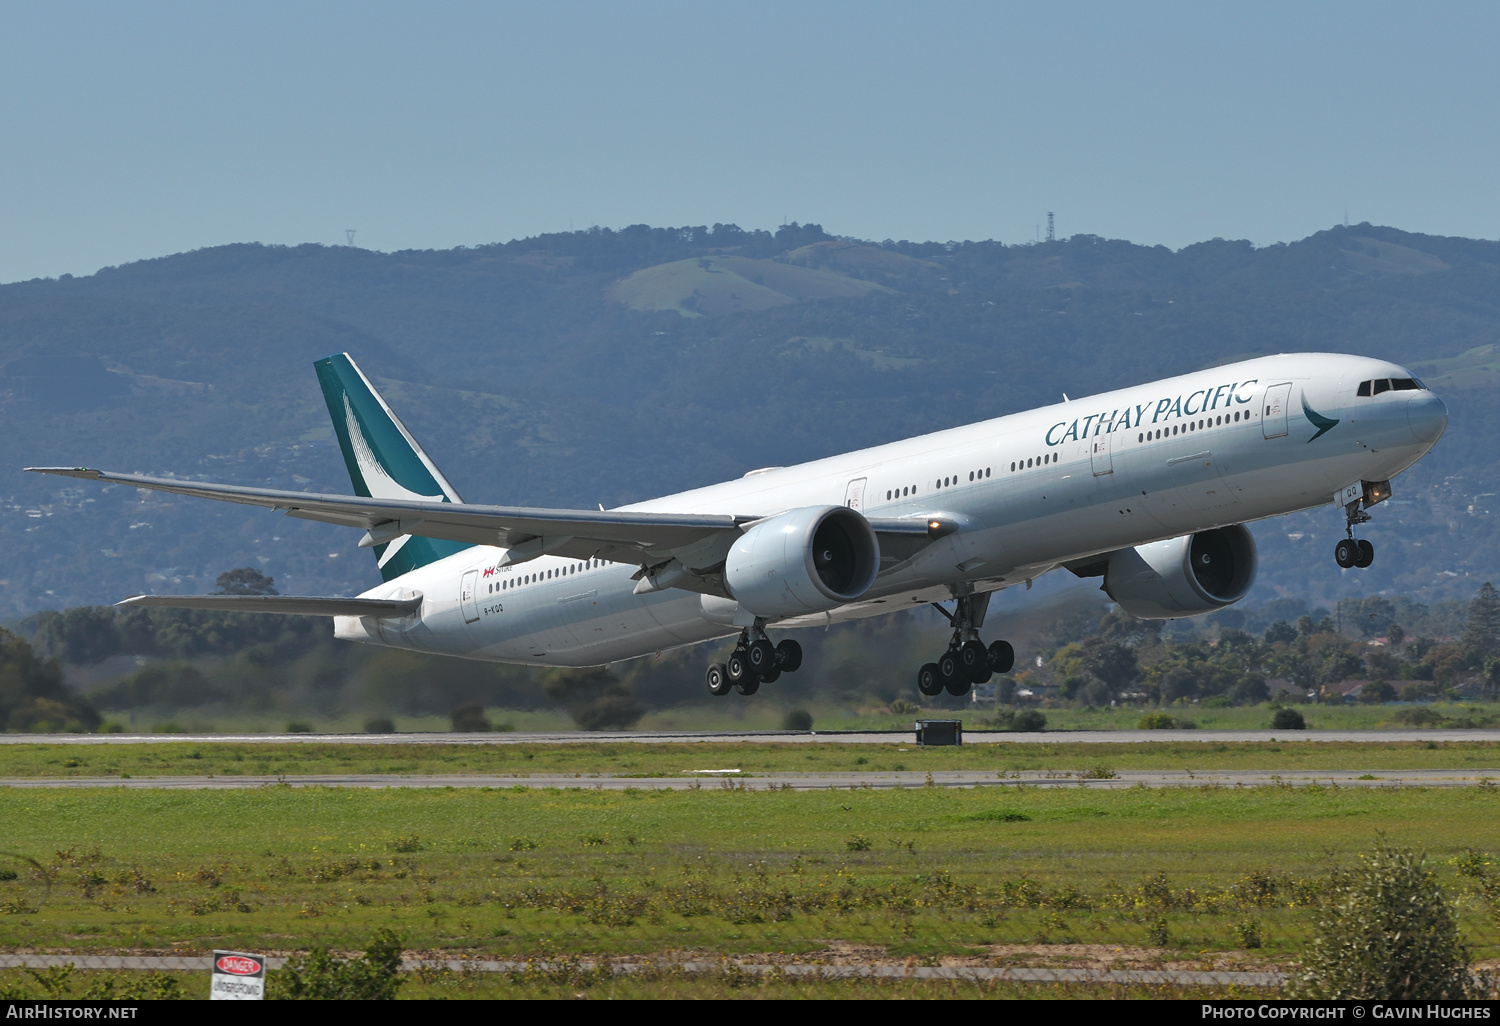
754 661
1352 551
967 661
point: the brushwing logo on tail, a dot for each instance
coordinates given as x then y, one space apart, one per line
378 481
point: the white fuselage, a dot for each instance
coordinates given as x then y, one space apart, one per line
1091 476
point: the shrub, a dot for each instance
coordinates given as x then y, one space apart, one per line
470 719
320 976
380 725
1387 934
1029 721
1164 721
1418 716
295 727
797 719
901 707
595 698
1288 719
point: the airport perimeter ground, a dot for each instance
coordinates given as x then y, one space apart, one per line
1184 856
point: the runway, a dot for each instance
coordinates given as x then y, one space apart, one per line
851 737
728 778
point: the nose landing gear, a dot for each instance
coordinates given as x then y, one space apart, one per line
754 661
967 661
1352 551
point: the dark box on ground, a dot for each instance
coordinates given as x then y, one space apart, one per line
940 732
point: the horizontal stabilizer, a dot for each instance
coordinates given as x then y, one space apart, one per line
287 605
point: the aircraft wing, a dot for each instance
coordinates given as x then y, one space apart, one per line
285 604
622 537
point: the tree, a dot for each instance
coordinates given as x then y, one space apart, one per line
245 581
1280 631
1481 638
1109 662
33 696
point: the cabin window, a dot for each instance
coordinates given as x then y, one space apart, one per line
986 471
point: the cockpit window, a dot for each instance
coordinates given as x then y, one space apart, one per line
1375 387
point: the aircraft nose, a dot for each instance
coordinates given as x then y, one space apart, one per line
1427 415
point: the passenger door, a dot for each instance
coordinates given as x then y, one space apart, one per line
1273 422
468 596
1102 458
854 498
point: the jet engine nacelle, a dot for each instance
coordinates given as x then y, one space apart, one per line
1197 573
803 561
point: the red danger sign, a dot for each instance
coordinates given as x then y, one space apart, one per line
239 965
237 976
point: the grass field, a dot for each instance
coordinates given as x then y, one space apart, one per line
1185 876
764 712
625 758
568 983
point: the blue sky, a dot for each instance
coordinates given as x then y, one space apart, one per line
138 130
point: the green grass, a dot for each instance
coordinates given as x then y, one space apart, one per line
920 872
1178 750
1258 717
764 712
569 983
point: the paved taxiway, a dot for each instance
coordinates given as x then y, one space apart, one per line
727 777
853 737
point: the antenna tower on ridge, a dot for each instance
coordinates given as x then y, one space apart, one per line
1051 235
349 234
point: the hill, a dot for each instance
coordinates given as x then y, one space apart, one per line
608 366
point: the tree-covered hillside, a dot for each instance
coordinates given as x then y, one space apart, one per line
607 366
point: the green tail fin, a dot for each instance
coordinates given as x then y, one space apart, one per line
384 460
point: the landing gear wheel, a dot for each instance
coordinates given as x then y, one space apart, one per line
950 670
718 680
748 686
1345 553
927 680
760 657
1366 554
769 677
1002 657
974 660
736 671
789 656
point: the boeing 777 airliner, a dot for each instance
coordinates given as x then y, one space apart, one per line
1148 487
